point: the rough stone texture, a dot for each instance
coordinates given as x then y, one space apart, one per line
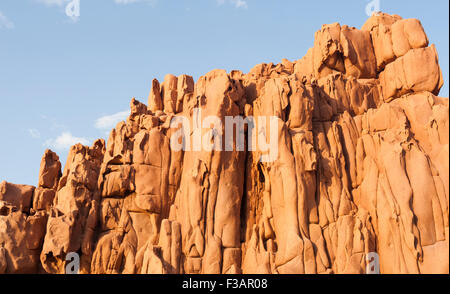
363 166
23 218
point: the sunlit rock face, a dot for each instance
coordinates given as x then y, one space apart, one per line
362 166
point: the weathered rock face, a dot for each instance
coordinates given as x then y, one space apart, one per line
362 166
23 218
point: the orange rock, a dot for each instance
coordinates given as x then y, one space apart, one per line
50 170
19 196
361 167
154 99
416 71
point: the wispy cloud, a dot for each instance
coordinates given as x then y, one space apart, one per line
240 3
5 22
54 124
70 7
53 2
65 141
125 2
62 2
108 122
34 133
236 3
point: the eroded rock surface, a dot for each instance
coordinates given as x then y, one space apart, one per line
362 166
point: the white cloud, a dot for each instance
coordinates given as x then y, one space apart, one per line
125 2
240 3
52 2
110 121
72 7
54 124
236 3
63 2
5 22
34 133
65 141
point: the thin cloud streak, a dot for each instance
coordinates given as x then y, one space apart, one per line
236 3
53 2
110 121
5 22
34 133
64 141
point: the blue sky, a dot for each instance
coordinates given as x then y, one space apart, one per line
64 80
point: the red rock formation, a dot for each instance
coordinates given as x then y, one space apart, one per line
362 166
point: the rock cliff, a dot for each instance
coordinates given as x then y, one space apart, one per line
362 166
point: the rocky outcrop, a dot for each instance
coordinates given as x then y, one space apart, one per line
24 212
361 167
